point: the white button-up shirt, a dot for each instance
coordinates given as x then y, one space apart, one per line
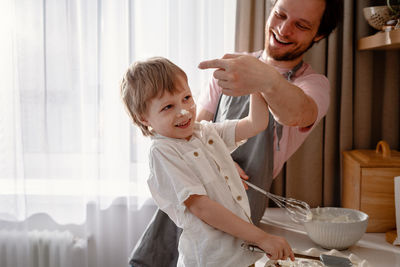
201 166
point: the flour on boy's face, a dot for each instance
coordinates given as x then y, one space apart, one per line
172 115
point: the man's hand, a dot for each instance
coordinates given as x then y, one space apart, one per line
240 74
242 175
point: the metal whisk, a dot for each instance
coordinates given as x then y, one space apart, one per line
299 211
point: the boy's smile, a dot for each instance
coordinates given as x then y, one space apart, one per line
172 115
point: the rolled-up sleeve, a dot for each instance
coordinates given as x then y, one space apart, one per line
317 87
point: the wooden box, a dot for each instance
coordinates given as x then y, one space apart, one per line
368 184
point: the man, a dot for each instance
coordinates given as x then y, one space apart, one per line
297 97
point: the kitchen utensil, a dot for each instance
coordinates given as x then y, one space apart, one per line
299 211
335 261
377 16
327 260
336 228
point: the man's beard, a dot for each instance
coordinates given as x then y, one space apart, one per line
289 55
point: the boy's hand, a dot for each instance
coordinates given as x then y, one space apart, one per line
276 247
242 175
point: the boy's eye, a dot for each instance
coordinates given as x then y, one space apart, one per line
166 107
187 97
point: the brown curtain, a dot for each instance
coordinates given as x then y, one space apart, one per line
365 100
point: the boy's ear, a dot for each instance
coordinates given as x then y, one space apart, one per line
143 120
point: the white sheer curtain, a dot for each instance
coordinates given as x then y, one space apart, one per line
65 140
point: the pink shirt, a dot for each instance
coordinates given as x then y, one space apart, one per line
313 84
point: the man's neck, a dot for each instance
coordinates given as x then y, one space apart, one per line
283 64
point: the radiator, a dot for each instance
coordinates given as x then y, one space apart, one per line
42 249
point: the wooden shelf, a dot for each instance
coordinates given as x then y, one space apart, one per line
381 41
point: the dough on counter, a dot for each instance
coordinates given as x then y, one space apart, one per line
296 263
301 262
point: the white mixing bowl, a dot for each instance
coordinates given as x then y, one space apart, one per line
336 228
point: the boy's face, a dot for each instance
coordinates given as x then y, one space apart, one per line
172 115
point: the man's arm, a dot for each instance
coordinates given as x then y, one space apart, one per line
218 216
289 104
243 74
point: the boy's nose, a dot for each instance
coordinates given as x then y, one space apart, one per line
182 112
185 110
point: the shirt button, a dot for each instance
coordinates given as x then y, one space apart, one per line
196 154
210 141
239 198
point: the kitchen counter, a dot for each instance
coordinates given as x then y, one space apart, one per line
371 247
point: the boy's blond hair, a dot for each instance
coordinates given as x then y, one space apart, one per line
145 80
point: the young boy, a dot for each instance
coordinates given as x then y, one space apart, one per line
193 177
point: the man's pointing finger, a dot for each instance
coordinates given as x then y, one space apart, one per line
213 64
